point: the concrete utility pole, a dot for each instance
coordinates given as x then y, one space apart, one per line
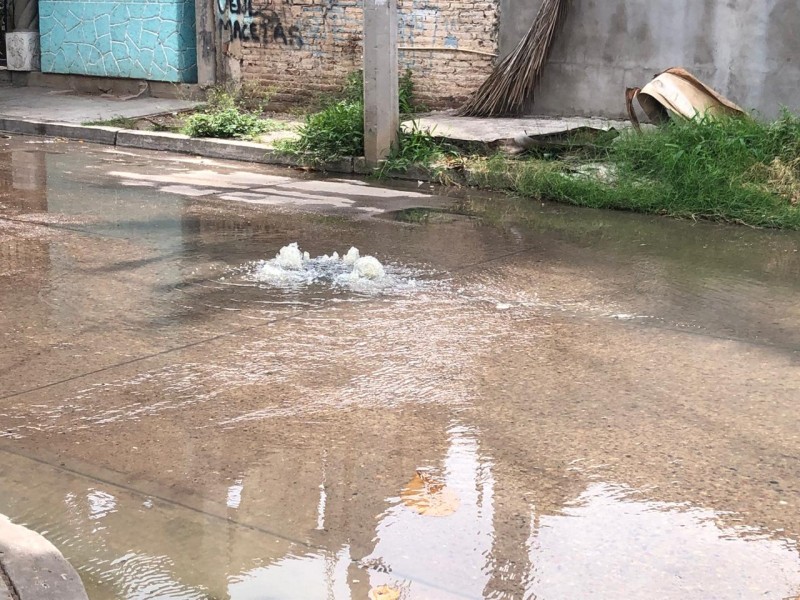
206 49
381 94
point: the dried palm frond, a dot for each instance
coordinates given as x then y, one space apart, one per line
512 83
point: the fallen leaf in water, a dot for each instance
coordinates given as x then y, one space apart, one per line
384 592
429 497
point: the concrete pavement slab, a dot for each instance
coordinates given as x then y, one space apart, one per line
42 104
487 131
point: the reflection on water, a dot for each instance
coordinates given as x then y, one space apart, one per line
608 542
441 556
295 578
337 443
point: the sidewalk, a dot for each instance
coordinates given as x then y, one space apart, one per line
44 112
43 104
31 568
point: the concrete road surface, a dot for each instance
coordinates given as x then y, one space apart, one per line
511 400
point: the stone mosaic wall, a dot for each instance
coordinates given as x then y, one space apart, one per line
142 39
304 47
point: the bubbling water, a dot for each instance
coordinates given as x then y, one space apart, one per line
352 256
289 258
293 268
369 267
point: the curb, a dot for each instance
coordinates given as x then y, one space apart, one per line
206 147
33 568
177 142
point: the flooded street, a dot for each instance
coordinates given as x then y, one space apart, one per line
528 401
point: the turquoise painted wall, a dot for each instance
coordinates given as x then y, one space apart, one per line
142 39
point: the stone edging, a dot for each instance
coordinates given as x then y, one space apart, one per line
34 567
207 147
175 142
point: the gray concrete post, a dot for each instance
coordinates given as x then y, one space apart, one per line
381 94
206 42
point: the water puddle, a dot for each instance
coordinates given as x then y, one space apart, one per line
193 414
430 215
458 528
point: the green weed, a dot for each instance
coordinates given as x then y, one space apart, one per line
353 91
337 130
247 97
332 133
737 170
415 147
227 116
406 92
228 123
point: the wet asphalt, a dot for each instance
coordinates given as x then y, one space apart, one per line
543 403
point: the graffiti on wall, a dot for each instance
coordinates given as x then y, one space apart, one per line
240 21
273 29
237 18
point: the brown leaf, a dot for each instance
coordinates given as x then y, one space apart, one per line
429 496
384 592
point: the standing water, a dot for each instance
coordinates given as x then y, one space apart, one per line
514 401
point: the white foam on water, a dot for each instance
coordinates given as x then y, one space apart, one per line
291 258
369 267
292 268
352 256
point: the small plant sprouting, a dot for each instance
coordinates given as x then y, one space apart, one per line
227 116
415 147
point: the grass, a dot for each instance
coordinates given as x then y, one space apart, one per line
415 148
337 130
121 122
230 115
737 170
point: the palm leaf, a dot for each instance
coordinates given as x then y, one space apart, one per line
513 82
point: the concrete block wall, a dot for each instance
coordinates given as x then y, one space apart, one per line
749 50
144 39
304 47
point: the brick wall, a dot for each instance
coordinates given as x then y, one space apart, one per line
304 47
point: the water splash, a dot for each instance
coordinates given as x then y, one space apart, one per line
290 258
292 268
369 268
352 256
